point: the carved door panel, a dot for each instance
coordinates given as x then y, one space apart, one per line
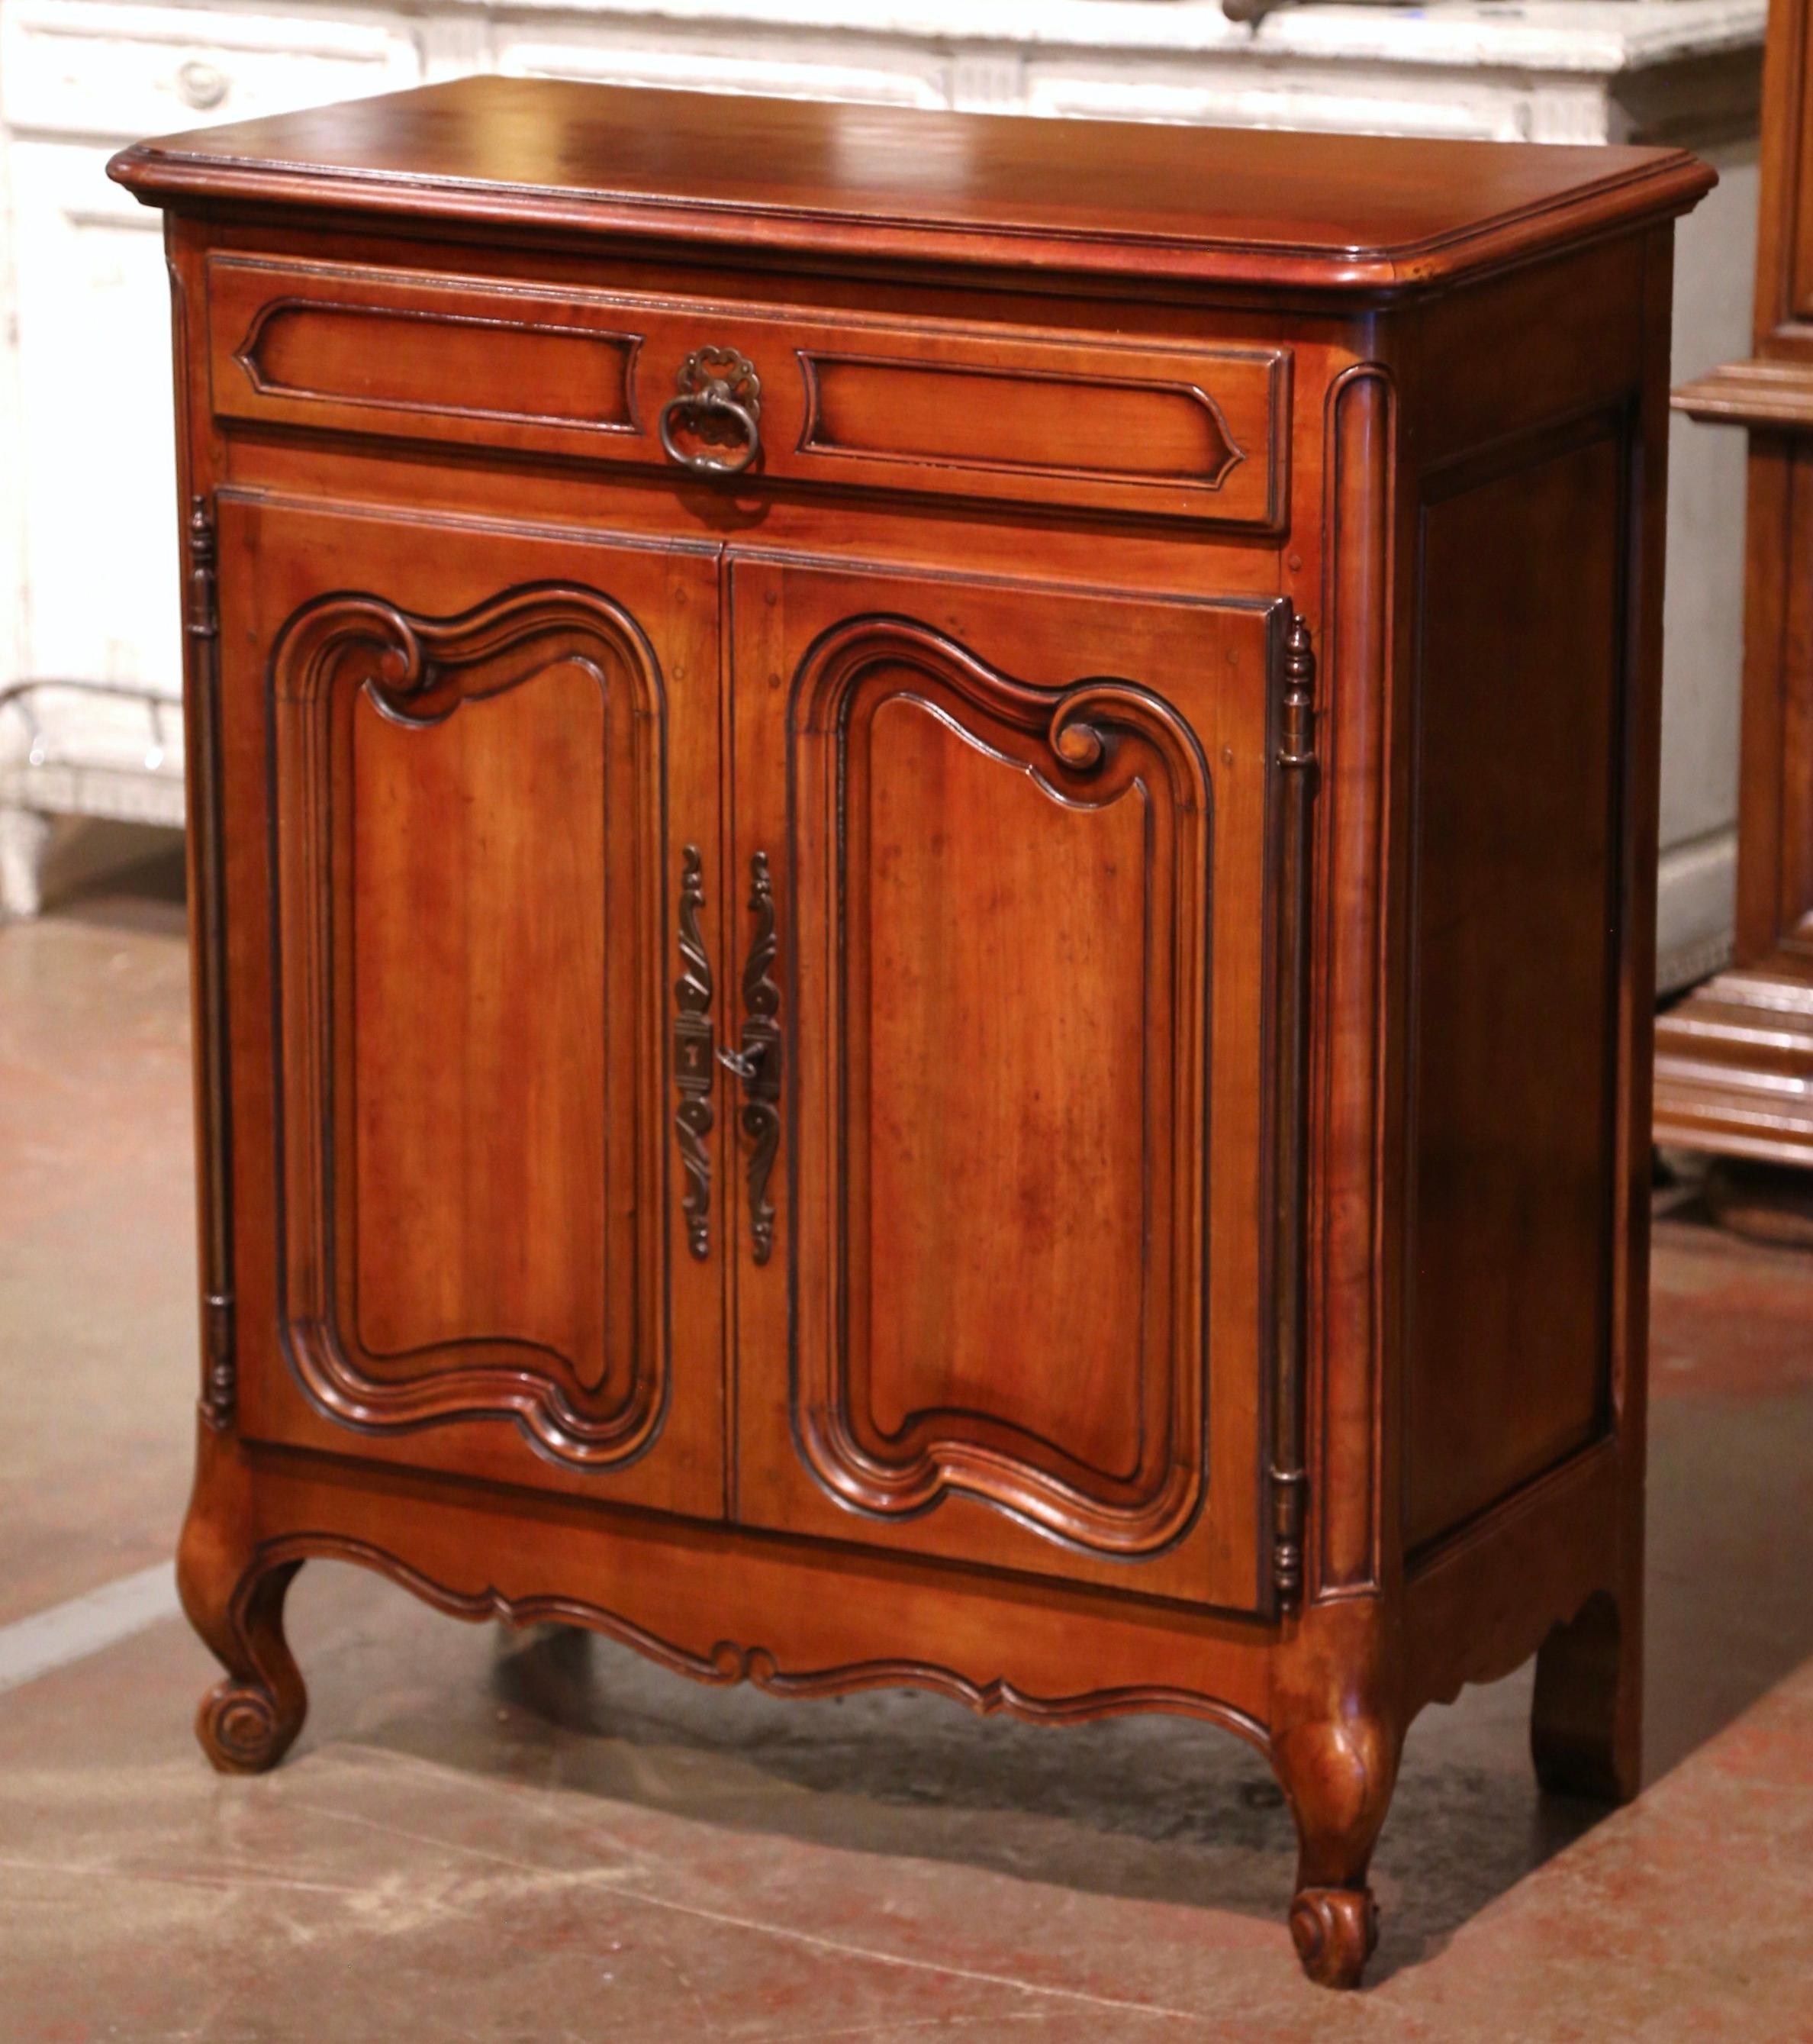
471 778
1004 853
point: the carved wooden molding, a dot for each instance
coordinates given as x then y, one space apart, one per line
1557 1575
1359 429
418 673
1759 393
1086 746
729 1663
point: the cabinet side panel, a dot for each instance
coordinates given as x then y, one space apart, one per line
1515 925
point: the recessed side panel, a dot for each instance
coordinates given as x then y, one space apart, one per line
987 418
1195 432
1517 884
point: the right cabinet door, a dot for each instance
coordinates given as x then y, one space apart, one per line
1003 857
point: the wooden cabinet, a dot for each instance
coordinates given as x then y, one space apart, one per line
924 903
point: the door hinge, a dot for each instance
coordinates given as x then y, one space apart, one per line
1295 758
220 1381
1297 721
202 622
202 617
1289 1512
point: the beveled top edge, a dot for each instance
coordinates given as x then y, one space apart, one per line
1238 207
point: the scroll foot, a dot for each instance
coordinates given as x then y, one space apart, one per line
1334 1930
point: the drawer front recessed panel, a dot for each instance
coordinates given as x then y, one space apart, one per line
486 364
1191 434
1199 432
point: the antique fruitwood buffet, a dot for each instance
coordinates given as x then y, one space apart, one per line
922 868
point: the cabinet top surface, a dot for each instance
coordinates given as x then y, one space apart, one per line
1246 207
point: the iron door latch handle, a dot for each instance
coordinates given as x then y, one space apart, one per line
692 1048
757 1063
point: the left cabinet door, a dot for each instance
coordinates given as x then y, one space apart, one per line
470 797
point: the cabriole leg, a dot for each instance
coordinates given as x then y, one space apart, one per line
234 1601
1338 1774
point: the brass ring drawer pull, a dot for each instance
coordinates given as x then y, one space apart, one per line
719 399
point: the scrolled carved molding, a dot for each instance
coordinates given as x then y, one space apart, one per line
728 1663
417 672
240 1729
1086 746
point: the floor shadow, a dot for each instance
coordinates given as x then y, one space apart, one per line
1146 1808
1171 1809
1178 1812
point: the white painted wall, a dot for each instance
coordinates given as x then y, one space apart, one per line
84 437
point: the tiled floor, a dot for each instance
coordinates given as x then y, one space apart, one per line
489 1837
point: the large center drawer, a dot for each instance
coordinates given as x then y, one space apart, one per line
1195 431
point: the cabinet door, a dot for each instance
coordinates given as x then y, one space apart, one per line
471 791
1000 1293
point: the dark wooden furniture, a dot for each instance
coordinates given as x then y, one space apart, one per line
1735 1061
923 876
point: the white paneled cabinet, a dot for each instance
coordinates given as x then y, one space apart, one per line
84 408
88 716
94 439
